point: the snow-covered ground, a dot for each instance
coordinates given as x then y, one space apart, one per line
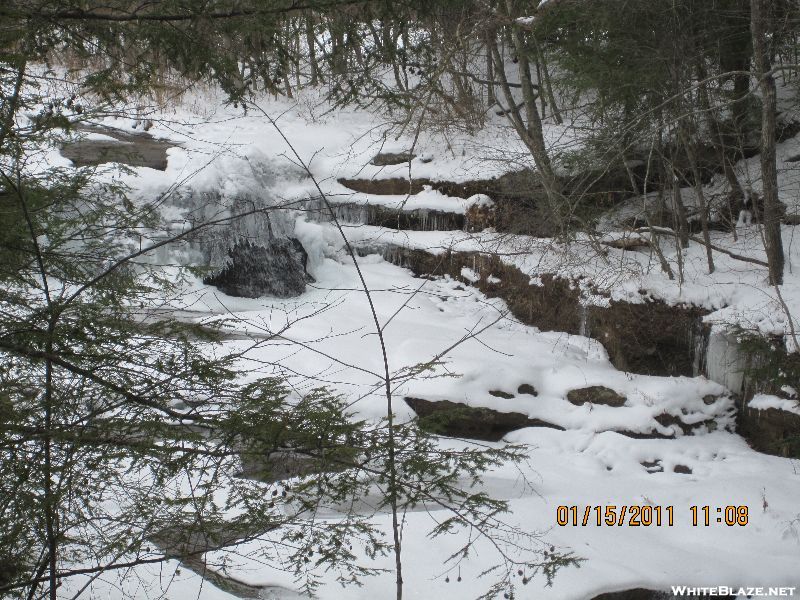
223 150
331 341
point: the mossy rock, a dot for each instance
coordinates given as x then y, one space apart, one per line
454 419
596 394
772 430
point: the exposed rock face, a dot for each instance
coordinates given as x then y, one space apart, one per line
520 204
480 216
390 186
418 219
133 149
298 246
649 338
274 269
596 394
477 423
771 430
414 220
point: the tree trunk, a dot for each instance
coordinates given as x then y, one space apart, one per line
759 10
311 42
548 85
533 120
688 144
717 140
533 138
490 97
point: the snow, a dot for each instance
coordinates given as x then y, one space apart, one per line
470 275
93 136
479 347
765 401
480 201
589 464
427 199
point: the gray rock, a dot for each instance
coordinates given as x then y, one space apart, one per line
132 149
274 269
385 159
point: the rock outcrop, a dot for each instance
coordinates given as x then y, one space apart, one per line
385 159
771 430
132 149
596 394
454 419
276 268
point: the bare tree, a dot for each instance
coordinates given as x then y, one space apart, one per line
760 26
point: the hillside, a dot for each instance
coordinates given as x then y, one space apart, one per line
502 298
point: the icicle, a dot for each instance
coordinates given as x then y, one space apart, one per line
583 327
725 363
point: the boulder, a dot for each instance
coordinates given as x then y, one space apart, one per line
132 149
385 159
596 394
277 268
454 419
